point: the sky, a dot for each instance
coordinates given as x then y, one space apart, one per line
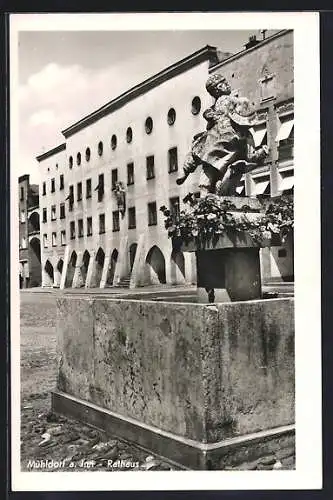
65 75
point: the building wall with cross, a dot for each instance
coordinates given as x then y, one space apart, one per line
265 74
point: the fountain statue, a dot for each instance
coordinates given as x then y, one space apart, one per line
207 385
225 150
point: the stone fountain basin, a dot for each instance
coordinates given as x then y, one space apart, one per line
186 381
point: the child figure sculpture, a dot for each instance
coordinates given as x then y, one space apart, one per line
226 149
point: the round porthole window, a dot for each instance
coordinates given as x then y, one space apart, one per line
78 159
70 162
196 105
129 135
100 148
87 154
113 142
149 125
171 116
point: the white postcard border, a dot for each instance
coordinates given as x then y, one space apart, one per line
308 473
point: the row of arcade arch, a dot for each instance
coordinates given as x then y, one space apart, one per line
90 271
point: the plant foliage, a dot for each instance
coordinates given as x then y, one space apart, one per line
208 218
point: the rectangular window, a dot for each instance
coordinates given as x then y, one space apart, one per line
173 160
22 194
267 87
286 149
285 138
131 218
114 177
259 134
80 228
152 214
63 237
100 187
44 188
52 185
70 198
79 191
45 240
54 239
61 186
72 229
88 188
260 186
130 174
22 216
286 182
174 206
62 211
101 223
150 163
89 226
282 252
53 212
44 215
115 221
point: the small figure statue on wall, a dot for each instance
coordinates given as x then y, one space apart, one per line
225 150
119 192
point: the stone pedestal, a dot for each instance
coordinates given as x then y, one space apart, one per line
228 269
228 274
208 387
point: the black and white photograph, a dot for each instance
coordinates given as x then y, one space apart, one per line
165 260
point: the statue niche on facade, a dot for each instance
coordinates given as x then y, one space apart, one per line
225 150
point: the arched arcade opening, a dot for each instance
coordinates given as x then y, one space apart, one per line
177 267
71 270
35 263
85 265
58 272
33 223
48 274
112 267
132 253
155 267
100 258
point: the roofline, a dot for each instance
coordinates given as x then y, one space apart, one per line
207 52
51 152
251 49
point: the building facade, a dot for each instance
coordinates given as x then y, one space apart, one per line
29 234
101 189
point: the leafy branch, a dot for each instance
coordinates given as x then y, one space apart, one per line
206 219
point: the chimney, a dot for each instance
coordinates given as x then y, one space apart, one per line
252 42
263 32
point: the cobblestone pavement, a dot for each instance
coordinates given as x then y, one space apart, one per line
53 443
